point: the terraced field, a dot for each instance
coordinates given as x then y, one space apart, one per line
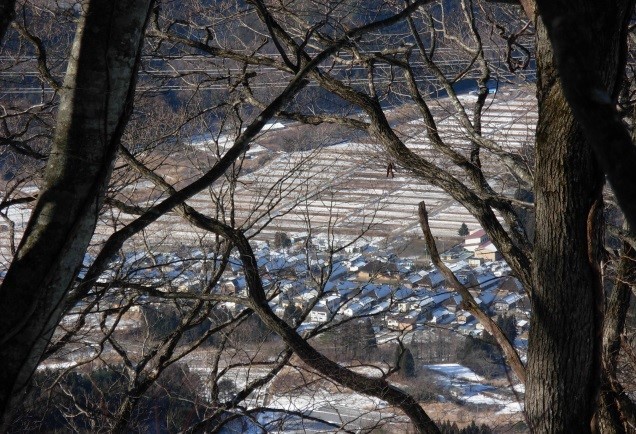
341 190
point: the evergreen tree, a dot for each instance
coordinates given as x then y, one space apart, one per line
463 230
281 240
368 335
508 325
405 361
447 427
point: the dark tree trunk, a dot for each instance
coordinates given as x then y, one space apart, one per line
564 360
96 101
589 39
7 13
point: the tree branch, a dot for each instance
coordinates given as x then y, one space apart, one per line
468 302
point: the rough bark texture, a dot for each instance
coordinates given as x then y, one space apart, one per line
564 349
96 100
589 40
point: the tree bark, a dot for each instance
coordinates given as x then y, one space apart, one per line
96 101
591 86
564 364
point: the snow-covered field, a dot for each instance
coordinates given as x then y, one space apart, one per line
470 388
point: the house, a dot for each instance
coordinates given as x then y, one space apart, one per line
523 325
442 316
380 307
378 270
485 299
501 269
353 309
475 262
261 261
235 264
512 285
332 302
276 264
426 311
441 297
433 279
425 303
414 280
406 305
236 286
346 289
402 322
475 239
356 264
464 317
279 310
392 321
378 292
487 281
285 302
462 271
402 294
338 271
452 303
309 294
506 303
300 302
405 265
367 301
290 287
300 269
487 251
469 328
319 314
408 322
187 283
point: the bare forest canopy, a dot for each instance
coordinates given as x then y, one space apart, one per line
273 216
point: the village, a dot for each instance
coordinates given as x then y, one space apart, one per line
403 299
397 295
341 258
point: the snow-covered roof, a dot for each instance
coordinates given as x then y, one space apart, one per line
487 246
402 293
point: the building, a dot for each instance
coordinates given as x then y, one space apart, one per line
475 239
487 251
506 303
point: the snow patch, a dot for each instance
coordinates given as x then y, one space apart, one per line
455 370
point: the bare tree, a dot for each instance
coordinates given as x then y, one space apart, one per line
97 96
351 60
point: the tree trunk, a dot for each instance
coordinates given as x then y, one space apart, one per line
96 102
565 337
589 39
